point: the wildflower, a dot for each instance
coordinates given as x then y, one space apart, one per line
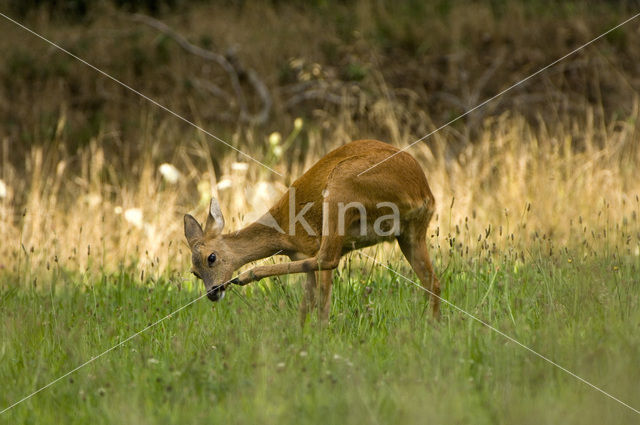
3 189
153 361
134 216
277 151
117 210
239 166
296 62
150 230
262 194
303 353
224 184
275 138
170 173
297 124
93 199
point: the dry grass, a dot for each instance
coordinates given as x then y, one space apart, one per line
536 229
575 186
555 160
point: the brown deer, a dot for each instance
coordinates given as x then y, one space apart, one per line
326 213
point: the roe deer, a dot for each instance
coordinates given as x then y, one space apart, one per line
326 213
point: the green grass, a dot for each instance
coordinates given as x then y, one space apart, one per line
380 360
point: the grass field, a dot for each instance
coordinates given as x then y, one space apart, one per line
536 230
380 360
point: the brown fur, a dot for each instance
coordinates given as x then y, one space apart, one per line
332 180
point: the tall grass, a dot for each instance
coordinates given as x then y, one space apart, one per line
380 360
536 230
81 156
570 185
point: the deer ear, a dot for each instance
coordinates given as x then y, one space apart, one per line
192 229
215 220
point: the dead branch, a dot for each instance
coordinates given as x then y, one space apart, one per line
320 90
213 89
231 66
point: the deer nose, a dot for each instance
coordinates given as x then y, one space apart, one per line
216 293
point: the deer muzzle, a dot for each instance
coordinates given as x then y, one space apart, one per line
216 293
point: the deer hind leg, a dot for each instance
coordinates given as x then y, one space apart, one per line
309 297
309 294
328 257
414 247
324 299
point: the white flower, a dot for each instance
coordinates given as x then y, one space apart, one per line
153 361
93 199
260 197
3 189
239 166
134 216
303 353
150 230
275 138
117 210
170 173
296 62
297 123
277 151
224 184
263 194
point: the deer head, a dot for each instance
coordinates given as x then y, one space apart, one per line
210 255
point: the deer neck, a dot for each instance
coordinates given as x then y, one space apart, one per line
254 242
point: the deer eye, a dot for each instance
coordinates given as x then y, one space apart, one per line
211 258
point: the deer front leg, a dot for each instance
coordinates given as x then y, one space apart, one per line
309 290
302 266
327 259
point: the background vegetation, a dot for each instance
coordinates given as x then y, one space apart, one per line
536 230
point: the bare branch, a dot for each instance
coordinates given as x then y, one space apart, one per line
213 89
263 92
231 67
